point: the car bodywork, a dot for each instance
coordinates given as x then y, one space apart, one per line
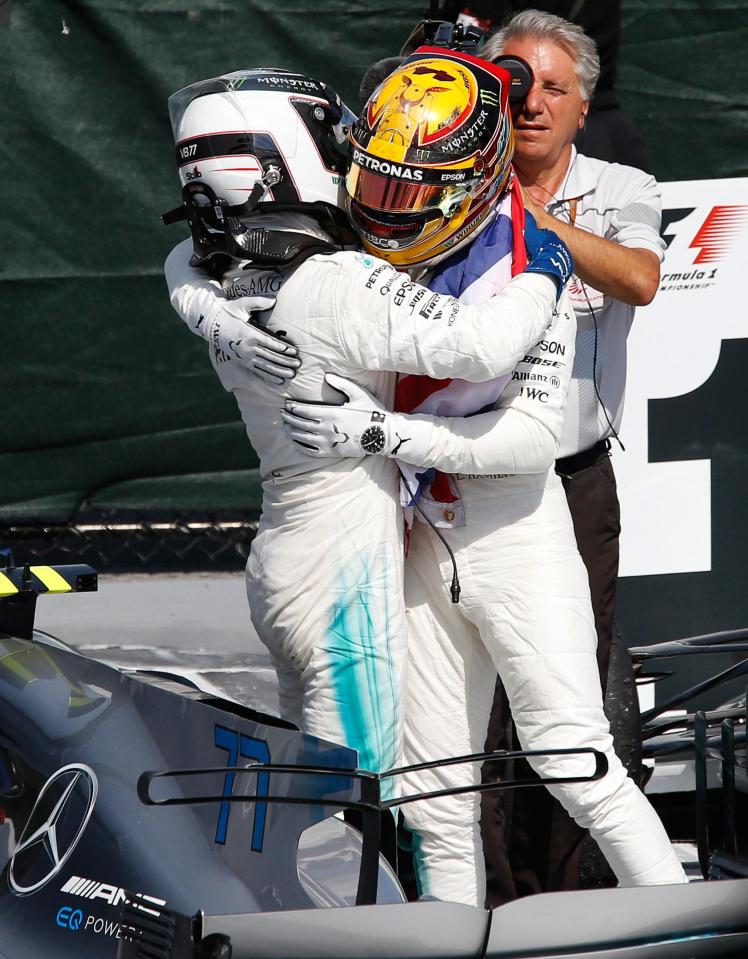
76 736
141 817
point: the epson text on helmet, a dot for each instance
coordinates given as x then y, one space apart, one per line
385 167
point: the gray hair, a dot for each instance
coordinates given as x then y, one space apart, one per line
547 26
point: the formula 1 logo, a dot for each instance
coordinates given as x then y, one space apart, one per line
54 828
716 235
718 232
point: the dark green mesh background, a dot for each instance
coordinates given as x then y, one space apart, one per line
101 383
684 78
107 400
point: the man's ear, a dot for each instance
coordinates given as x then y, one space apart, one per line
581 123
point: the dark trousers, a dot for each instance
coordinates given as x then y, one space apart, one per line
542 852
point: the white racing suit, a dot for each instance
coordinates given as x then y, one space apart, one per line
525 611
324 575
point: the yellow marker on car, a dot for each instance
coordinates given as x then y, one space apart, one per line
51 579
6 586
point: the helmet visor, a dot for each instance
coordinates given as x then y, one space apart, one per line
381 229
386 193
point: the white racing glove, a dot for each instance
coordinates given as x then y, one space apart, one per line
227 324
229 329
361 425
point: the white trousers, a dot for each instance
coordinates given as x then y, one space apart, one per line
524 611
325 589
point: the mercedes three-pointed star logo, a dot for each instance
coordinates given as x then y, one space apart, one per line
44 832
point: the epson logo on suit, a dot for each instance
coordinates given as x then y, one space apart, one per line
550 346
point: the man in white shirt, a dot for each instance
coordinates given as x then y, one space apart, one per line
609 216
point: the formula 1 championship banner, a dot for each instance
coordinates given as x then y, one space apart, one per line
683 476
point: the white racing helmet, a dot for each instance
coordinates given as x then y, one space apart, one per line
258 141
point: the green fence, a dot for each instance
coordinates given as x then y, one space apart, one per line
109 402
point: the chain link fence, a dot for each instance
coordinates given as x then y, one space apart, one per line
127 543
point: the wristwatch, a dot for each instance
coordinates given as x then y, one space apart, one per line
372 439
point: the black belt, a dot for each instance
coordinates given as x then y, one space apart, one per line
569 465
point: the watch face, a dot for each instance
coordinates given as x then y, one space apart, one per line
372 439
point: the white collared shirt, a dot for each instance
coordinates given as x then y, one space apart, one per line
622 204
